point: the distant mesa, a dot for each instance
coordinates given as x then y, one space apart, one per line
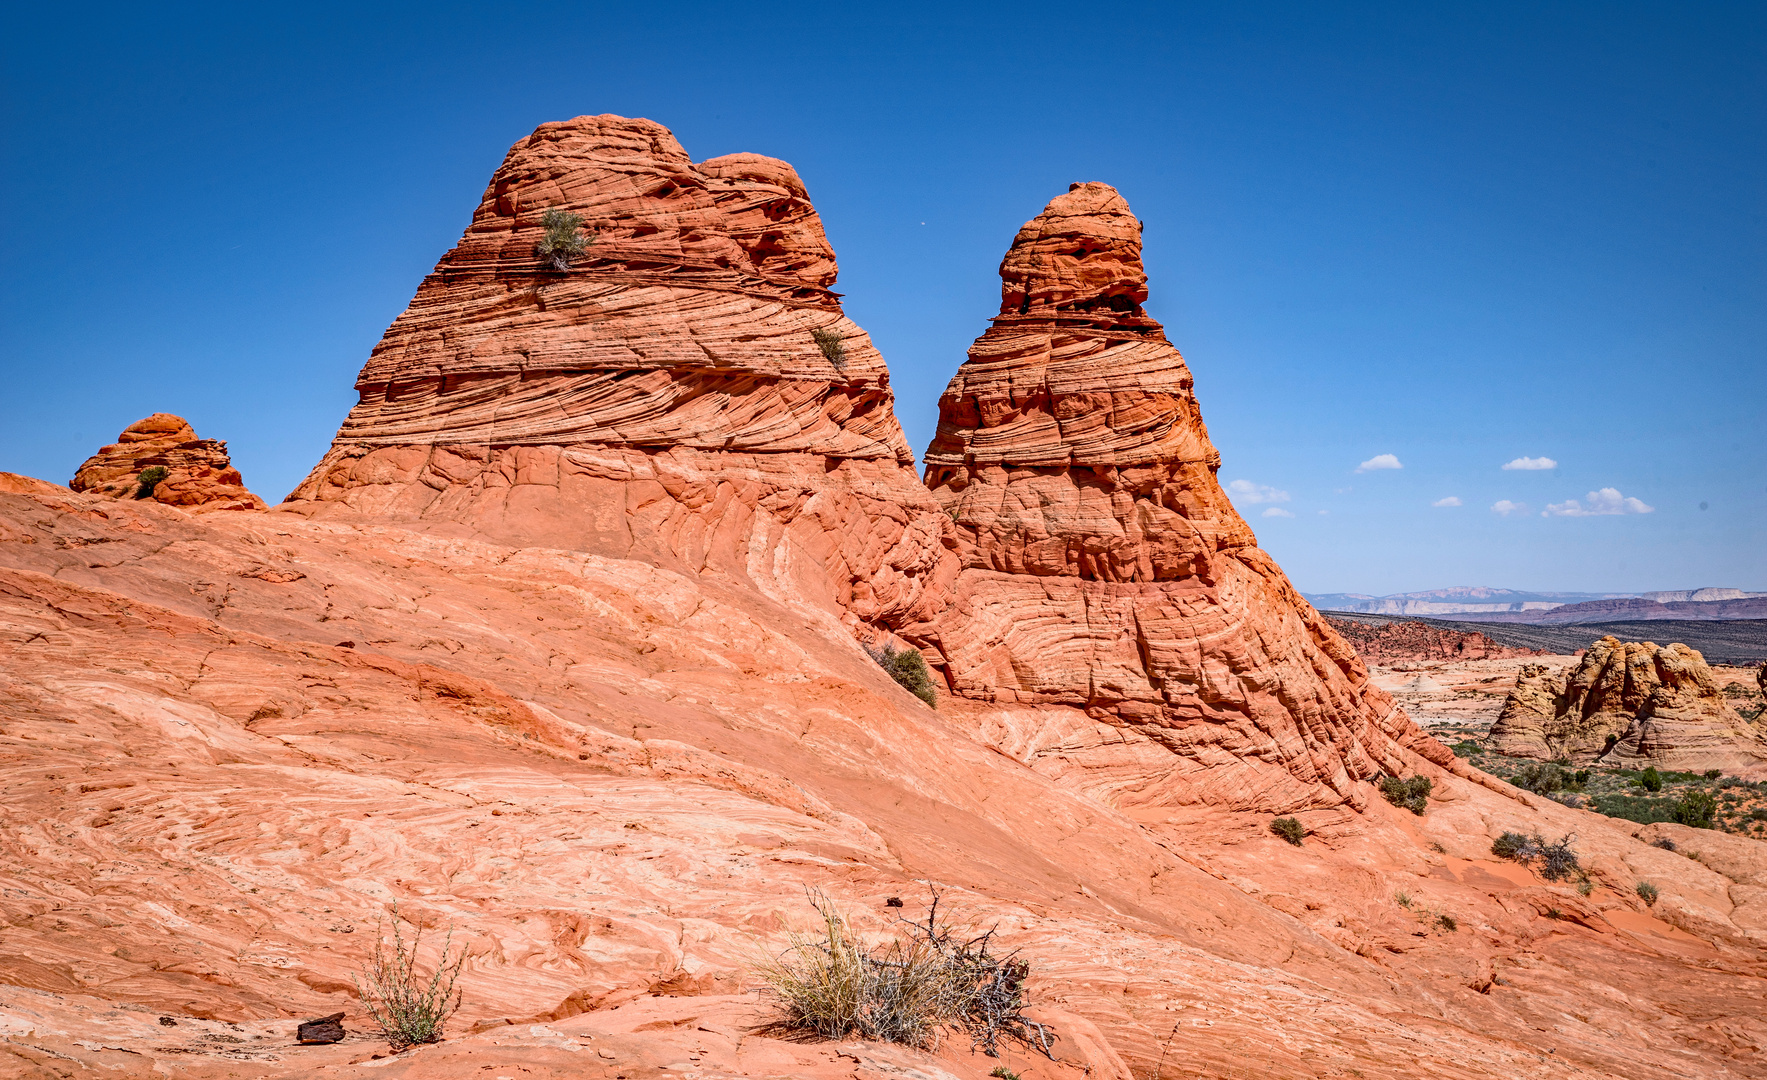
160 458
1384 643
1630 703
1103 567
1482 604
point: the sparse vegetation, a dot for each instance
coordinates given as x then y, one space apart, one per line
1447 923
1289 829
563 240
1001 1072
908 668
927 979
148 480
1665 843
1696 809
410 1009
1557 859
1646 892
1651 780
1412 794
829 341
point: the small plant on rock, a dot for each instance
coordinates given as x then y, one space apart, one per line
1448 923
410 1008
908 668
1646 892
1412 794
1289 829
829 341
1557 859
148 480
563 240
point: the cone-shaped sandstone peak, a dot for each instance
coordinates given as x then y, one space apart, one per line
1104 567
687 389
196 473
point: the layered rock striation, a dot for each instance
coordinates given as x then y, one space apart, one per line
1630 703
1102 565
197 473
1383 642
688 390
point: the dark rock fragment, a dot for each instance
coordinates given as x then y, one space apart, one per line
325 1029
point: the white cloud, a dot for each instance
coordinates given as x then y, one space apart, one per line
1277 511
1380 461
1452 500
1323 513
1506 508
1601 503
1246 491
1531 464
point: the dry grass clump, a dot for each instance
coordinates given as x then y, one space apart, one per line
927 979
564 239
1646 892
829 341
410 1009
1557 859
1289 829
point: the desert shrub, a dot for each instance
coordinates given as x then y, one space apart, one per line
1651 779
1585 886
563 240
149 479
1447 923
911 989
1640 808
1696 808
410 1009
1713 774
1557 859
1289 829
1646 892
1554 913
1413 794
1403 899
909 669
1580 778
1540 779
1665 843
1467 748
1001 1072
829 341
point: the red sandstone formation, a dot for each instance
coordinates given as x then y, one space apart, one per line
1103 567
198 473
1384 643
1631 703
666 398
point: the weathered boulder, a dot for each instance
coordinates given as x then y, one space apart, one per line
197 473
688 391
1630 703
1103 567
321 1030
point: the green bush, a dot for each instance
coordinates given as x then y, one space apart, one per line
1640 808
1713 774
909 669
1557 859
1289 829
1466 748
1646 892
829 341
1413 794
410 1009
563 240
1651 779
1510 845
926 979
149 479
1696 808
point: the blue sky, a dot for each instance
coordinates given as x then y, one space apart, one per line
1458 238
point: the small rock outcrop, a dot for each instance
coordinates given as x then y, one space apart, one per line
688 390
1381 643
1102 565
1630 703
192 473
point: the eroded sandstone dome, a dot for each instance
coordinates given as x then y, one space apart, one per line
667 396
1102 565
198 473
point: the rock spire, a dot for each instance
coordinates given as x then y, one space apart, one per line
1102 565
688 390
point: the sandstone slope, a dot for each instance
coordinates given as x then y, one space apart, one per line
1105 572
198 473
1631 703
664 398
231 741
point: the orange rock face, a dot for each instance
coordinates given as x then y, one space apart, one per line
1380 643
1102 566
689 390
198 473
